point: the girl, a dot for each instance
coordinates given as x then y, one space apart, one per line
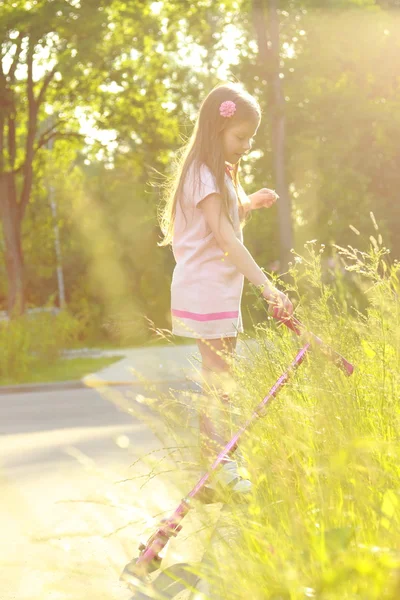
203 218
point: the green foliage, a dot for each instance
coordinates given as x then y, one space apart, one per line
89 314
342 123
35 339
15 349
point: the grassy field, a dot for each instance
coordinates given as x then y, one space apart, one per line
62 370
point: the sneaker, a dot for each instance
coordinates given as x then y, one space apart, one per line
226 484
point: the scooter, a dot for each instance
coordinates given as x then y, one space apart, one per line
136 573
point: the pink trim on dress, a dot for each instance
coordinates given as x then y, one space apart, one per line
185 314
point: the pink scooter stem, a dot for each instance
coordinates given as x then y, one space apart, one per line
334 356
149 558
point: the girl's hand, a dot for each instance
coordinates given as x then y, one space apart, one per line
263 198
280 307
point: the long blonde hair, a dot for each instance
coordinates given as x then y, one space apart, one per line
205 147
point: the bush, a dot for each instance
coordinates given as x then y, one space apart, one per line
90 315
15 346
35 337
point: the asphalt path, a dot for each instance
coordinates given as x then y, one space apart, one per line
85 475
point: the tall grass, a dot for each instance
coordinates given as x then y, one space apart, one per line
324 519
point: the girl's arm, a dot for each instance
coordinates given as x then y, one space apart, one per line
238 254
234 250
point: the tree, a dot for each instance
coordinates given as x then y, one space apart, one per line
342 126
54 33
55 56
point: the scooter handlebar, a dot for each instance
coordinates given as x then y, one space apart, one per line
296 326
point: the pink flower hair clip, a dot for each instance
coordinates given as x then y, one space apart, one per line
227 108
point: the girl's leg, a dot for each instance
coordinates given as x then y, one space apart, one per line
214 417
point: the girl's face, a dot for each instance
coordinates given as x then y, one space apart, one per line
238 139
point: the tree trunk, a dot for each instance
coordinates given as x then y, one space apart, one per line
13 247
278 139
267 31
12 210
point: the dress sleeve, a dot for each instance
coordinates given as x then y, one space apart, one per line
205 186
